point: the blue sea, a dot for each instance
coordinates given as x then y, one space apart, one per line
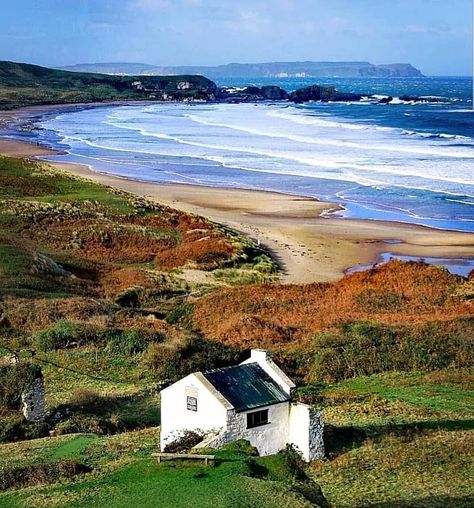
402 161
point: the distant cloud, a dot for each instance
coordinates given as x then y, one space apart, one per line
103 25
250 21
150 4
434 35
422 29
153 5
18 36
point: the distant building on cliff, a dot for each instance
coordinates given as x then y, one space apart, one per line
252 401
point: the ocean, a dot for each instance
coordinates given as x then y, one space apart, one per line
406 162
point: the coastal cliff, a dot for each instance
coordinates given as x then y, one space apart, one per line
306 69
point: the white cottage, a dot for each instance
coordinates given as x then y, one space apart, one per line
252 401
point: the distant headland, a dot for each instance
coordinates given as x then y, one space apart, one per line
27 85
306 69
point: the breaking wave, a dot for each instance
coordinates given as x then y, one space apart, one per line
393 159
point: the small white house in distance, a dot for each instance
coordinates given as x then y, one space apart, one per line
252 401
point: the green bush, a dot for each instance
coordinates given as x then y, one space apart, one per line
14 379
130 342
15 428
241 447
67 334
254 469
64 334
294 463
245 276
265 264
361 348
11 428
82 424
172 362
180 314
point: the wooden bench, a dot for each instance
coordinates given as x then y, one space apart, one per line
183 456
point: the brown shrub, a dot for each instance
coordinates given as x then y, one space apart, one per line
116 281
27 476
100 240
32 315
207 253
407 293
86 398
173 239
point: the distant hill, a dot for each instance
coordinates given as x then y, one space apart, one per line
24 84
272 70
117 68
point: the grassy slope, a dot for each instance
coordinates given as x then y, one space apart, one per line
433 470
124 474
394 439
399 440
25 84
386 448
41 211
45 208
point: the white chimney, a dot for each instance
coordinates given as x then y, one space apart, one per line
264 359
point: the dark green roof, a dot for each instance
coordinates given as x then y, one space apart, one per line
246 386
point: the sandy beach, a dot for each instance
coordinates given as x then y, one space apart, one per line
309 246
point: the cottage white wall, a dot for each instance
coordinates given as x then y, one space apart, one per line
289 423
211 414
269 438
306 431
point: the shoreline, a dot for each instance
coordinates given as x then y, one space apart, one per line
309 243
344 208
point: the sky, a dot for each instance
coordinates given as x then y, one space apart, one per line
433 35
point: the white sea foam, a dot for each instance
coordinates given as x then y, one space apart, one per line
290 142
314 159
392 147
311 120
458 110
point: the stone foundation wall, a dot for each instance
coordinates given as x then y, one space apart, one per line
32 401
316 434
306 431
296 424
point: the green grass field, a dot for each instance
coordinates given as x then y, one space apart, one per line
124 474
399 440
393 440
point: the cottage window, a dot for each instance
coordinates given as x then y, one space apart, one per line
191 403
257 418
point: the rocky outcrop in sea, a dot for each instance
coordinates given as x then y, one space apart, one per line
307 94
